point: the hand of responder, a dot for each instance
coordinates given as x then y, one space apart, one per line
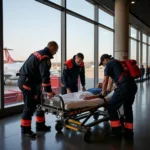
83 89
68 91
51 94
101 96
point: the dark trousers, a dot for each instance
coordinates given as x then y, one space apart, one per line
73 88
31 96
141 78
124 95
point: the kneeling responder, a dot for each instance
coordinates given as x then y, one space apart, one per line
72 69
35 74
124 95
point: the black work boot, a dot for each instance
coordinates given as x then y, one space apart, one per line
116 133
26 131
128 134
42 127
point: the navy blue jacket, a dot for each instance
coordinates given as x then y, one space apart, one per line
71 72
37 69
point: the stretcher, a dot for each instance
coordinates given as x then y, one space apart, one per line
74 112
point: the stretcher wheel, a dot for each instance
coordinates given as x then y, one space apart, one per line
58 126
95 116
87 136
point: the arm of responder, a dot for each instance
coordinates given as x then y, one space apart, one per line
45 74
65 76
82 76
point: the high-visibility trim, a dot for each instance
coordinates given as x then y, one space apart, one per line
25 123
26 87
39 56
128 125
40 119
74 121
115 123
70 127
44 84
69 63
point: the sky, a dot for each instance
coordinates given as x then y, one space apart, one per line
30 25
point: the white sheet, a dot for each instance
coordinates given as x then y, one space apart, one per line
76 100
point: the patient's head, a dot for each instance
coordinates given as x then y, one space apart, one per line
100 85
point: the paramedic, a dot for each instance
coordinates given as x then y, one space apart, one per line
124 95
35 75
72 69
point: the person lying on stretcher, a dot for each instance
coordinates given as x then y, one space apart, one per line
97 91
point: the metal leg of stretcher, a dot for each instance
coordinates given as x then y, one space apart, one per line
71 119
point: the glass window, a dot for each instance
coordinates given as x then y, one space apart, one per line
81 7
144 38
106 19
139 44
149 56
56 1
144 55
25 35
133 49
133 32
105 47
80 38
149 40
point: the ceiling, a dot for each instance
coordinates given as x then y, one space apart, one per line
140 10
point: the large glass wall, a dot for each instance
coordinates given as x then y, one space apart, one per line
133 49
133 32
80 39
106 19
81 7
105 47
26 30
144 55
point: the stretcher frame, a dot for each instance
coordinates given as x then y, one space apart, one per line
71 119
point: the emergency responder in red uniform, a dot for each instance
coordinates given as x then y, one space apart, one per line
124 95
35 75
73 68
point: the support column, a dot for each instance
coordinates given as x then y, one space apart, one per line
63 34
147 50
121 29
96 47
1 58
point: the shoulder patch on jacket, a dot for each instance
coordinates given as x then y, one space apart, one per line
69 63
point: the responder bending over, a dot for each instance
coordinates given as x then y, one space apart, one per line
35 75
72 69
123 94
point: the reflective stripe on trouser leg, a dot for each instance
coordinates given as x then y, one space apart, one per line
128 125
25 123
40 119
115 123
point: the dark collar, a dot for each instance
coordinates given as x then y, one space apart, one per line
73 60
47 51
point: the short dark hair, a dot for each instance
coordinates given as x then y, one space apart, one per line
80 55
52 43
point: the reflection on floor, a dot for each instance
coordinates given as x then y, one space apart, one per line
11 139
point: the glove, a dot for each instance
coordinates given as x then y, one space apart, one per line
101 96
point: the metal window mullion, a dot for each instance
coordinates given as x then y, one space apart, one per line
141 49
63 34
1 58
137 47
96 45
147 50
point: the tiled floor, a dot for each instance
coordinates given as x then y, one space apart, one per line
11 139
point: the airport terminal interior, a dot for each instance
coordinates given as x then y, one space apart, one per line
120 28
